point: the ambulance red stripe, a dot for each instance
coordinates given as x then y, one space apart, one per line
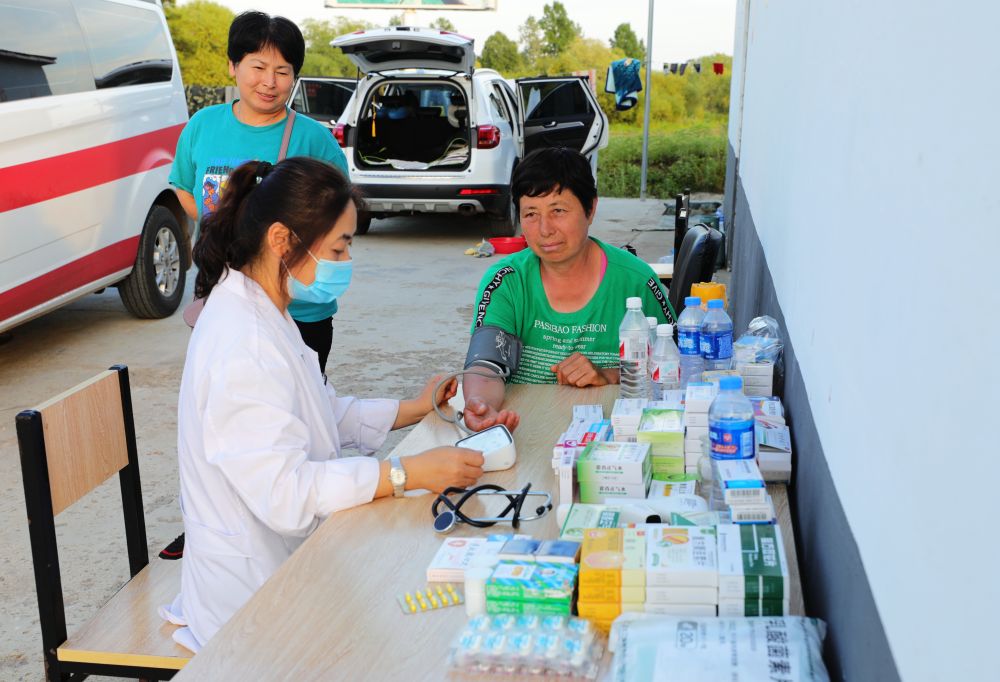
55 176
92 267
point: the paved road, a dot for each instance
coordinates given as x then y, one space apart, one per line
405 317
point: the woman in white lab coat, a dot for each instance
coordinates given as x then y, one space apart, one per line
259 432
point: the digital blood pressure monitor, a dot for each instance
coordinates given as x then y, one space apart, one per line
497 446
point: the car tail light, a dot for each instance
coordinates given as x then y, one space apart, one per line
488 137
340 132
472 191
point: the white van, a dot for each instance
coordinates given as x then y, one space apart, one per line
427 132
91 106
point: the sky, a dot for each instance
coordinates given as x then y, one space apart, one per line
682 29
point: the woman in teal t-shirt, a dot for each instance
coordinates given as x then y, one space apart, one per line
265 55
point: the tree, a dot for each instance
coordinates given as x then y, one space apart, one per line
442 24
559 31
500 53
200 31
396 20
532 42
321 58
625 40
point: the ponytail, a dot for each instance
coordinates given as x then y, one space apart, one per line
220 245
306 195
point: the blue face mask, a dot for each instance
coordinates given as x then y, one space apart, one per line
332 280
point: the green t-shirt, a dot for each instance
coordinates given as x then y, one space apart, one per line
511 296
214 142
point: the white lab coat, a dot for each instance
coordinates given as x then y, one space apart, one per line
259 439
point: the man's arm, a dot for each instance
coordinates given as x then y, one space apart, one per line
484 395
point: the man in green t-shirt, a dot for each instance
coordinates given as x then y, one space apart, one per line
550 313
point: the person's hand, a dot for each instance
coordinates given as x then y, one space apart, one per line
480 415
427 400
578 370
443 467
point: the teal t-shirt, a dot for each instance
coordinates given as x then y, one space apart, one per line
511 296
214 142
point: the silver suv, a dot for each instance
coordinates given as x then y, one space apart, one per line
426 132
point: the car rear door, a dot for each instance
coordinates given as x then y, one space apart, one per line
560 112
322 99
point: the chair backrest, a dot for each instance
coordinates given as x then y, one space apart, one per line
69 445
694 263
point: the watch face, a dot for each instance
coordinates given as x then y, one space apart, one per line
397 476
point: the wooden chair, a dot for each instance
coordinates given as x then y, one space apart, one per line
70 445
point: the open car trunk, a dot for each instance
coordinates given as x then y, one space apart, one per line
414 126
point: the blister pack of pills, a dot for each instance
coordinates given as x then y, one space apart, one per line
528 645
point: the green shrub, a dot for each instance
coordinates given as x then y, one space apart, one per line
693 157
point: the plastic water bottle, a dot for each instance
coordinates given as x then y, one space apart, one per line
633 350
652 322
688 340
716 337
666 363
730 430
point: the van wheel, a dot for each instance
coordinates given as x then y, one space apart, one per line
156 285
364 222
505 225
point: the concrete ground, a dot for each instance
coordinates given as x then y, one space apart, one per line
405 317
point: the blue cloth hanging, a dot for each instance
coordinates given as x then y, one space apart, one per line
623 80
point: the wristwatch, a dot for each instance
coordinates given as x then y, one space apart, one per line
397 476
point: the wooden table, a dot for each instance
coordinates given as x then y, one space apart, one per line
330 611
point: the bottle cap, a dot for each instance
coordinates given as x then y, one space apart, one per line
692 301
715 303
652 322
665 330
633 302
731 384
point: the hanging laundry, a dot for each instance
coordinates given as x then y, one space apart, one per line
718 67
673 68
623 80
683 66
697 67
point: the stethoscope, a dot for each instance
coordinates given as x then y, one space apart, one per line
446 519
459 418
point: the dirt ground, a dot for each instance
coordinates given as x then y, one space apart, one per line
405 317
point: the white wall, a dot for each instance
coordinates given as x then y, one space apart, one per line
870 157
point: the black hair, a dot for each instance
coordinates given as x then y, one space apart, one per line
554 169
254 31
306 195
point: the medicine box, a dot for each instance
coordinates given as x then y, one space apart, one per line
532 581
682 610
672 399
613 594
613 463
661 594
518 608
663 430
695 419
601 557
715 375
604 612
625 416
588 412
739 608
519 549
775 466
755 369
457 553
596 493
741 482
699 396
560 551
752 563
682 556
702 518
681 484
582 516
762 513
768 407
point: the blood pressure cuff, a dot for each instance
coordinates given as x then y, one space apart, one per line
495 348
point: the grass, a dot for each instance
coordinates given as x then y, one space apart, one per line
680 156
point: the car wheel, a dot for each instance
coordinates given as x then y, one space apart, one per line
156 285
364 222
505 225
